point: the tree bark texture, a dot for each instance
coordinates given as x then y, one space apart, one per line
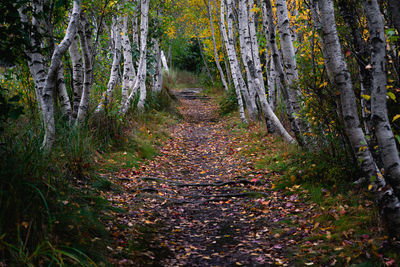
286 91
339 74
112 82
77 74
233 62
85 38
380 120
129 70
140 78
216 56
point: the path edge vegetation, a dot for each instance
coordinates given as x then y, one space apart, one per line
338 96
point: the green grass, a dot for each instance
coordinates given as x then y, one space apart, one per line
344 226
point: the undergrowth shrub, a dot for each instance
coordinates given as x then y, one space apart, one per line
33 192
228 103
107 129
50 209
162 101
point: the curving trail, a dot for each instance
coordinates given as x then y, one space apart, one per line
201 203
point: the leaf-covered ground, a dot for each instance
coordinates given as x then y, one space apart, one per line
202 202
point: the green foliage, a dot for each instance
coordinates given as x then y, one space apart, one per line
228 103
186 55
107 129
14 36
162 101
41 203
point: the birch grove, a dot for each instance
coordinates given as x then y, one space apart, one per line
322 75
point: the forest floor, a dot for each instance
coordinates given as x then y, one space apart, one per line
203 202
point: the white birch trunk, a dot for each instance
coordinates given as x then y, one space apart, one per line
107 96
50 84
158 77
36 61
339 74
245 42
251 105
144 25
380 120
272 83
129 71
273 86
253 74
140 78
62 94
288 53
77 75
135 30
164 62
254 43
289 99
234 64
86 41
226 61
216 56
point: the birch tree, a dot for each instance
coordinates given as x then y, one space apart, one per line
157 77
129 70
339 74
46 81
380 120
85 38
77 74
116 34
245 52
140 78
65 103
251 105
278 66
216 56
144 25
234 64
290 67
254 72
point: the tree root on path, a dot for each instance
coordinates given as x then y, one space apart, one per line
208 198
179 184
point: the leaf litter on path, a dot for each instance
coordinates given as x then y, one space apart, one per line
214 221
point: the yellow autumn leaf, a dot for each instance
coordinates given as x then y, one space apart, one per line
396 117
366 97
391 95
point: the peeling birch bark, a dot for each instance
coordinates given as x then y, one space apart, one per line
62 94
339 74
77 75
216 56
251 105
107 96
157 77
282 75
164 61
86 41
380 120
140 78
233 62
245 42
144 25
129 71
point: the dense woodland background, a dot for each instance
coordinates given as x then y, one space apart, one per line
81 79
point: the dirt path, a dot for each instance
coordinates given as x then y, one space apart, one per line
200 203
